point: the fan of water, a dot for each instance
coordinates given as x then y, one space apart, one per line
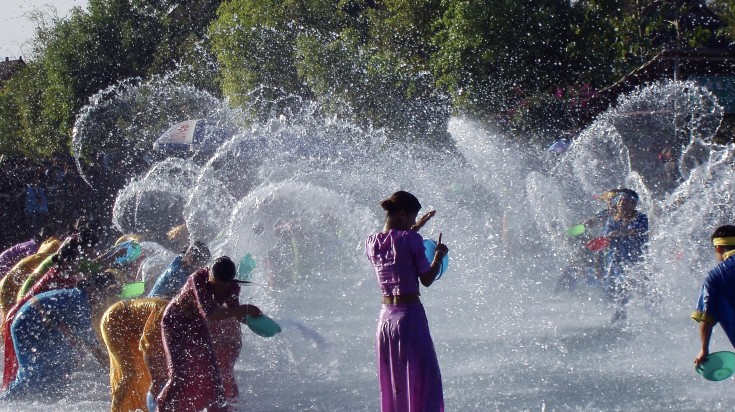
301 194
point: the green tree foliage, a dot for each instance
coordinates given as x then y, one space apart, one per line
182 43
504 57
649 26
533 61
254 43
369 58
725 10
80 55
24 115
111 41
403 65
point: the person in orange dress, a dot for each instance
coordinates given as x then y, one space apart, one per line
123 327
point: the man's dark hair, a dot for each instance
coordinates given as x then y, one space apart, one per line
629 192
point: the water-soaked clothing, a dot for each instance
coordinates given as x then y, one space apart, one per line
53 279
16 276
398 258
41 335
408 369
716 302
154 356
170 282
123 327
14 254
622 253
195 350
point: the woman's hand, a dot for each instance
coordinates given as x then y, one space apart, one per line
701 357
254 311
423 220
244 310
441 248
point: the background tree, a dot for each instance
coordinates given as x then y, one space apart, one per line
369 58
401 65
254 42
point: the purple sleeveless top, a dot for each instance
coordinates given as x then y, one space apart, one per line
398 258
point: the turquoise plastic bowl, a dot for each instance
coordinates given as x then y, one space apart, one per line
718 366
262 326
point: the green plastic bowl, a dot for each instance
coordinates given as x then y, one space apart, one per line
262 326
576 230
132 290
718 366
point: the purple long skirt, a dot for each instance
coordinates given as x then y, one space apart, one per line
408 371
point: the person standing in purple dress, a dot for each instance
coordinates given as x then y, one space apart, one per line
408 369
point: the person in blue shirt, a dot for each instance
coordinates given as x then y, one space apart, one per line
716 303
627 232
51 329
170 282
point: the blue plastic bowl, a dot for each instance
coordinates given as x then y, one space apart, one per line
430 247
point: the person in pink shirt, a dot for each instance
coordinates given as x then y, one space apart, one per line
408 369
201 337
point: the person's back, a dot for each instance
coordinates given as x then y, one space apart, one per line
123 327
398 258
716 303
408 368
60 276
40 338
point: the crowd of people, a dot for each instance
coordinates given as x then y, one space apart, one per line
172 349
50 193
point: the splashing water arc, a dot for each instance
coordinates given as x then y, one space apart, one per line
301 198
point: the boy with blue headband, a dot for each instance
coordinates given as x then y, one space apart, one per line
716 302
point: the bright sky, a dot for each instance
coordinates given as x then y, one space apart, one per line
17 29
